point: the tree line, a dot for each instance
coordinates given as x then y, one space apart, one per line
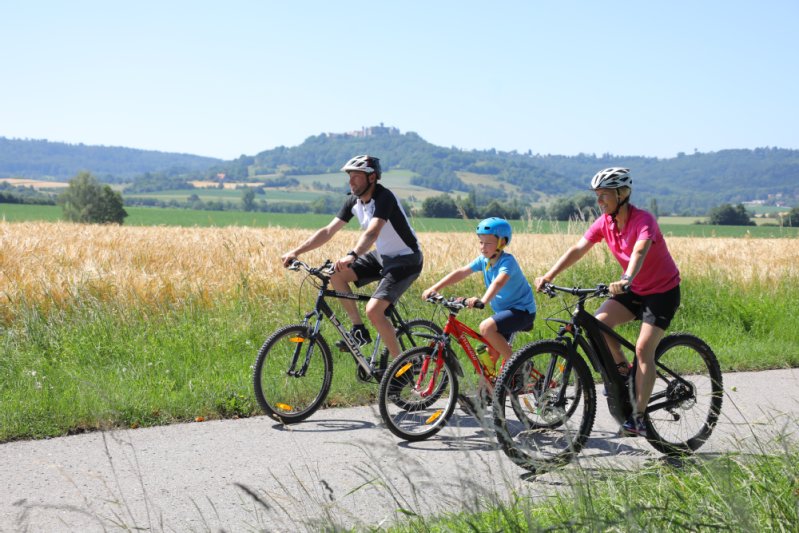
87 200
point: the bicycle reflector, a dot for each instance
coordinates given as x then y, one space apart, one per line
434 416
402 370
298 340
283 407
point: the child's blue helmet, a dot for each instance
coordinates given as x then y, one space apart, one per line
495 226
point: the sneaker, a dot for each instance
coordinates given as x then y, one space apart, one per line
359 333
634 427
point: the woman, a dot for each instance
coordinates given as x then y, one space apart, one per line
648 289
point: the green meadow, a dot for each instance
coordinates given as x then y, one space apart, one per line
152 216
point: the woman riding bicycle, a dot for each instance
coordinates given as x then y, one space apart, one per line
649 287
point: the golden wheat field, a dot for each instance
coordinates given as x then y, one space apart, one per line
53 264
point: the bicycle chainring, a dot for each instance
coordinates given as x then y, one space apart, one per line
364 376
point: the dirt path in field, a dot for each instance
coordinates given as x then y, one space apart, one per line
340 467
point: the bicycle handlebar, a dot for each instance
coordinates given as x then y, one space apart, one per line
599 291
455 303
322 272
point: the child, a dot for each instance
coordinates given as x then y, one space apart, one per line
507 289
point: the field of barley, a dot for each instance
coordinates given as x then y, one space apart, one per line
109 326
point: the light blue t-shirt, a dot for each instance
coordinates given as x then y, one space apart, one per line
517 293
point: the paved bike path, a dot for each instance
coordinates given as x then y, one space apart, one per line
339 467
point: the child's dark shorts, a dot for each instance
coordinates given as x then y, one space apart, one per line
510 321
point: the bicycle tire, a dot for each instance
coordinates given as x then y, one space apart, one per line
545 436
523 379
686 400
408 413
408 336
286 398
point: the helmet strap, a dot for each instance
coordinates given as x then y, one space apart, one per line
618 206
497 253
371 187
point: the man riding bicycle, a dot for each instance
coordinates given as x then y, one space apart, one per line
396 262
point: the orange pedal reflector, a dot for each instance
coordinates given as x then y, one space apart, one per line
283 407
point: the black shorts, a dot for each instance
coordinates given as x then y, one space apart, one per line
395 273
656 309
510 321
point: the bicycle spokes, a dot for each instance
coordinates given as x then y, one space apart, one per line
417 396
686 398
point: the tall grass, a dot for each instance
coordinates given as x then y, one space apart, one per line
107 326
733 492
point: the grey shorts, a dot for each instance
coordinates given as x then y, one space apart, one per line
395 274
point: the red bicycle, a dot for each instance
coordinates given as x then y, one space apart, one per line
419 390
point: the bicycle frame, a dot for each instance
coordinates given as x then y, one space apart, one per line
321 310
587 333
455 329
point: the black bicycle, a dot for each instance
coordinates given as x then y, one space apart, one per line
294 368
545 399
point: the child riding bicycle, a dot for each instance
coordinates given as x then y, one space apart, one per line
507 289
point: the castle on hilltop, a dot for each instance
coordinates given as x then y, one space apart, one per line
371 131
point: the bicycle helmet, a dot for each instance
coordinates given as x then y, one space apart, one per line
612 178
363 163
496 226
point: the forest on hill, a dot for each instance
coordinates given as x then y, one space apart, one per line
42 159
686 184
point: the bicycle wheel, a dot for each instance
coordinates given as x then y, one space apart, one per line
417 395
532 379
552 406
686 401
411 334
283 390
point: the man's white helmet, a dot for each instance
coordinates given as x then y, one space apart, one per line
364 163
612 178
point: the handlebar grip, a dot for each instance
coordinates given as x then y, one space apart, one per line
479 304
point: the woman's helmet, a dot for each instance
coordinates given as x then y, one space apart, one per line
364 163
495 226
612 178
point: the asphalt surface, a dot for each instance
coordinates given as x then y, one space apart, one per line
340 468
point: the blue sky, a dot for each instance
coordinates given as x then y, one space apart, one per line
238 77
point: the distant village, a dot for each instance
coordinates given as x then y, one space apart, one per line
371 131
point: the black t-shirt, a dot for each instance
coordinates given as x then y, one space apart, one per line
397 236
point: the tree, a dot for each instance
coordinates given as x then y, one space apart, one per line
85 200
653 208
441 206
793 217
248 199
727 215
574 208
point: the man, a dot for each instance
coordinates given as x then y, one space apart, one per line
397 261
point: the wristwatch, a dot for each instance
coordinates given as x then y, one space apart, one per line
353 254
626 277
